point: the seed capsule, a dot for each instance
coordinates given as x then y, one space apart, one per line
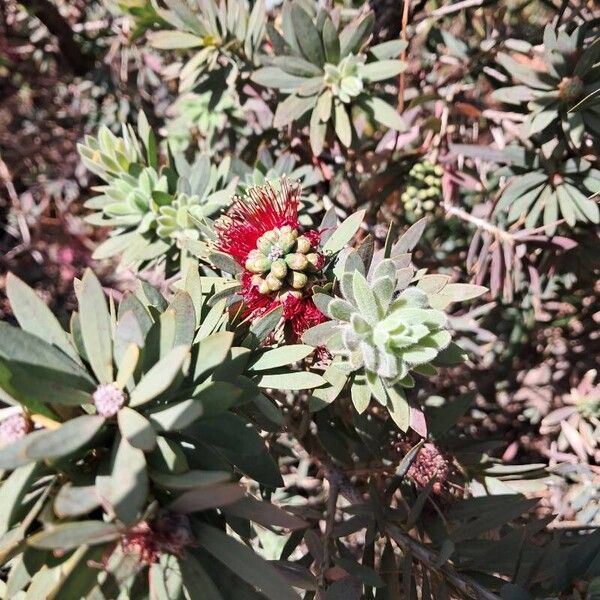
296 261
279 268
314 261
258 265
273 283
297 280
303 245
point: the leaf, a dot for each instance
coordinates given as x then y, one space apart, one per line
127 365
244 562
355 35
384 113
296 380
279 357
264 513
196 578
382 69
126 487
70 436
67 536
177 416
190 479
399 408
160 376
365 298
136 429
263 327
307 36
35 317
274 77
205 498
291 109
75 501
96 327
174 40
344 233
343 127
331 42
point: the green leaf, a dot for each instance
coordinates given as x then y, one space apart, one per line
382 69
355 35
384 113
344 233
190 479
365 298
205 498
177 416
174 40
399 408
388 50
211 352
136 429
294 65
291 109
160 376
126 487
35 317
196 578
70 436
264 513
75 501
343 127
96 327
274 77
318 130
307 36
331 42
244 562
296 380
67 536
279 357
360 393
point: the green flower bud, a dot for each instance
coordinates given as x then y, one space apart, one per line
260 264
405 197
273 283
303 245
262 285
409 205
422 195
279 268
430 180
429 205
297 280
313 261
296 261
287 240
438 170
411 190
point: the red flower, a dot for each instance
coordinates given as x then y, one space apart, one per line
280 264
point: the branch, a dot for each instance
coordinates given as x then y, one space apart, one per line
57 25
423 554
464 584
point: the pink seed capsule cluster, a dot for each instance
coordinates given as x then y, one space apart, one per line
13 428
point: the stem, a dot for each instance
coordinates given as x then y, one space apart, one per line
405 12
332 499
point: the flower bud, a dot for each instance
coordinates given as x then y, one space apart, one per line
297 280
429 205
296 261
287 240
258 265
303 245
314 261
279 268
273 283
108 399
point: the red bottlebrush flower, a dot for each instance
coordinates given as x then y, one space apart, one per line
168 533
280 264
